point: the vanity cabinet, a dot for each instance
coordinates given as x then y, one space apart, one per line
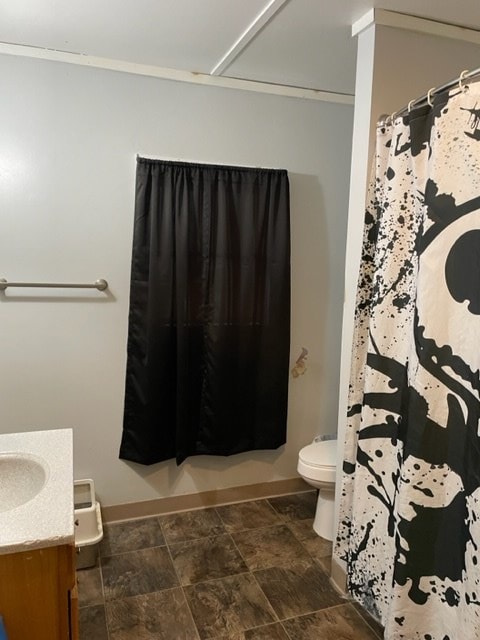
38 596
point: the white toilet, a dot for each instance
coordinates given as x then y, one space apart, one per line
317 466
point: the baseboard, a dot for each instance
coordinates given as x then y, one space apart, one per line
338 576
172 504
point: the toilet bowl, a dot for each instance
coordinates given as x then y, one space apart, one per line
317 466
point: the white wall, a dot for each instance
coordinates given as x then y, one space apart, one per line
68 140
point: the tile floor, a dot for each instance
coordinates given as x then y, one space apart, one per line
248 571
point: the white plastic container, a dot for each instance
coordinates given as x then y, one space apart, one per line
88 523
83 494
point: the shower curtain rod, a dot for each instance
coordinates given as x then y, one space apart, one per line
465 76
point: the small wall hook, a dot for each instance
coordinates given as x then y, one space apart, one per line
300 365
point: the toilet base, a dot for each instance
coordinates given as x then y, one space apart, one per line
323 524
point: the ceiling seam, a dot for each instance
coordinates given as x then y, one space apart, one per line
176 75
268 12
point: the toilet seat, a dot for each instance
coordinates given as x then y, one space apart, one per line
318 461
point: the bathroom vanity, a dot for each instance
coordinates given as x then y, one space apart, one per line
38 597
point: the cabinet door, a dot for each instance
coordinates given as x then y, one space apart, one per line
34 588
73 613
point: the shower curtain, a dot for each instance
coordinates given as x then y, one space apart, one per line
209 322
409 526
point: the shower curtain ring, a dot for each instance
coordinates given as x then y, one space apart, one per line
429 96
410 104
462 86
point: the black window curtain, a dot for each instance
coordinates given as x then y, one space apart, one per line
209 322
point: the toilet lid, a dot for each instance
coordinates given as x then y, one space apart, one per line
320 454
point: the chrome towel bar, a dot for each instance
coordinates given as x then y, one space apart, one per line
100 284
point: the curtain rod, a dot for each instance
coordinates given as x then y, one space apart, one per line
465 76
142 156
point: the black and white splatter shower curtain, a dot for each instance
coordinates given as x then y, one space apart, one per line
409 526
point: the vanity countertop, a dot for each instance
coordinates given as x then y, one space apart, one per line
37 507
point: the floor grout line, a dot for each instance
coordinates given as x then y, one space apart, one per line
181 585
276 616
122 553
365 620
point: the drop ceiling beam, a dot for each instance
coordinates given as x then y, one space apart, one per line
247 36
174 74
414 23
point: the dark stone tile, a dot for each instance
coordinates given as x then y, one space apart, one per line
325 564
90 591
298 506
92 623
269 547
156 616
247 515
331 624
131 536
231 636
273 631
137 572
190 525
226 607
297 589
370 620
206 558
269 632
316 546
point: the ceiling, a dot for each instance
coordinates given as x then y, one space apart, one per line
303 43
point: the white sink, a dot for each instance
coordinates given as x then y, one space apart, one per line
22 477
36 490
